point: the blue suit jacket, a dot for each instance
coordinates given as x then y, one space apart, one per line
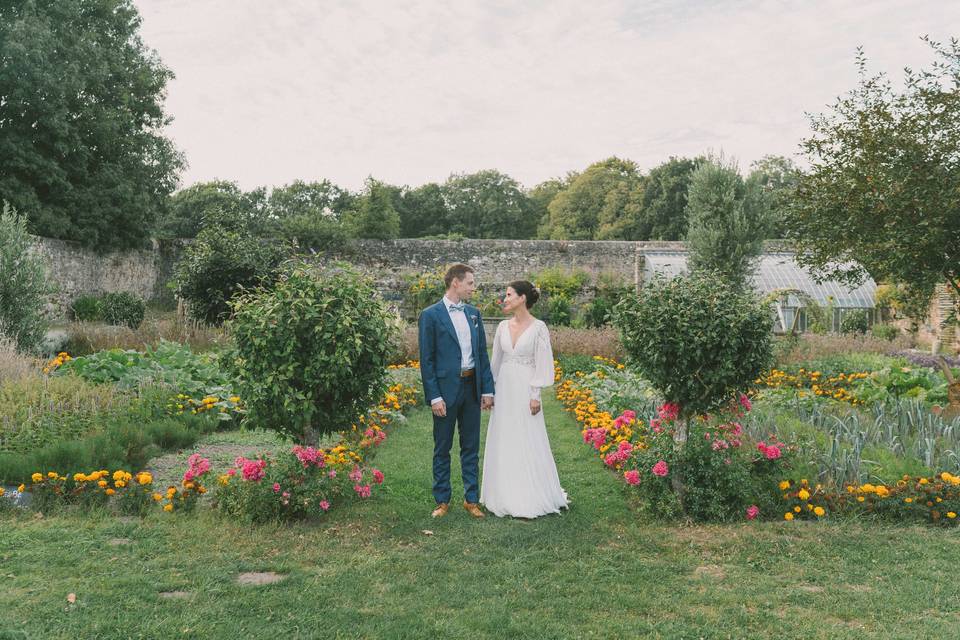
440 357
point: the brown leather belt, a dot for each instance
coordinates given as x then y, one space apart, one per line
466 373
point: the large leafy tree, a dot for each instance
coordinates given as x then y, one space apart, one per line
488 204
376 216
423 211
602 203
727 220
778 177
82 153
883 192
188 207
664 214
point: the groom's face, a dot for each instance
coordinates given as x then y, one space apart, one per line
464 288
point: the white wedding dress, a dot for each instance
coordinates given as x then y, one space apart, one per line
519 474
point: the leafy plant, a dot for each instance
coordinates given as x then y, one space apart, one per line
122 308
86 308
854 321
885 331
311 352
23 284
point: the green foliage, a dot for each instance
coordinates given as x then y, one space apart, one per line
882 190
422 290
81 149
86 308
602 203
778 177
23 284
885 331
189 207
376 216
311 351
488 204
558 310
312 199
540 198
664 214
122 308
225 258
423 211
557 281
607 293
696 338
727 219
854 321
905 301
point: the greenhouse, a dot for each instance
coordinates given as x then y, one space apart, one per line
779 272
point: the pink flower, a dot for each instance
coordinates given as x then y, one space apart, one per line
762 447
362 491
378 476
356 475
333 473
752 511
772 452
286 494
745 402
632 476
630 415
276 487
198 465
655 425
231 472
369 433
610 460
669 411
188 475
253 470
736 428
324 505
308 456
660 469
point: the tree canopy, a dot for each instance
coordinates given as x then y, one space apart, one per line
82 153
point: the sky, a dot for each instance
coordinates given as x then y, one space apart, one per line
410 91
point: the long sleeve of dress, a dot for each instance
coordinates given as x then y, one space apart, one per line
543 363
497 357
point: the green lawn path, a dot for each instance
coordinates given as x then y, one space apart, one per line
370 571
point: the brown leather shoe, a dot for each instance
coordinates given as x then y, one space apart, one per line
441 510
473 509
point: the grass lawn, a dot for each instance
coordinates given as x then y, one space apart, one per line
370 570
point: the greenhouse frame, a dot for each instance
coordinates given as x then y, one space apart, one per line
780 272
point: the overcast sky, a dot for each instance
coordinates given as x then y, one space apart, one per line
269 91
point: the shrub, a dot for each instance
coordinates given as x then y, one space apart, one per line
23 284
86 308
420 290
122 308
854 321
312 351
885 331
558 311
699 340
225 258
313 232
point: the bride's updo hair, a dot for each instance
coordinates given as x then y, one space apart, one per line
525 288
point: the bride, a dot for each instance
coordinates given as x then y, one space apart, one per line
519 475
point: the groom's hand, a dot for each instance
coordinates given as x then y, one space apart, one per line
439 409
486 402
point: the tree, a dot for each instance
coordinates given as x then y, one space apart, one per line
423 211
778 177
883 193
23 284
540 198
602 203
664 214
81 115
727 221
311 214
488 204
376 216
187 208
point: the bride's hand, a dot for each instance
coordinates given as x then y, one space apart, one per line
534 407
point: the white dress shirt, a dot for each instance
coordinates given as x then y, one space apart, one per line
459 319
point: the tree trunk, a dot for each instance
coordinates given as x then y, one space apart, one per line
311 437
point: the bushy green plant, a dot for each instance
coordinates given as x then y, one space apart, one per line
225 258
558 311
420 290
885 331
311 352
123 309
607 293
557 281
86 308
854 321
23 284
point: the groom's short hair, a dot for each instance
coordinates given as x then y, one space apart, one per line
457 271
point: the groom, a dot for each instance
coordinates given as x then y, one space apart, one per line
457 383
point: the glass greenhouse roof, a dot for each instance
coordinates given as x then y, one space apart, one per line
775 271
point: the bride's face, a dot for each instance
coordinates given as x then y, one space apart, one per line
512 302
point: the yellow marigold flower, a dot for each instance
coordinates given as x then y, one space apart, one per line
52 474
908 500
2 491
109 492
939 499
234 399
867 488
157 497
37 477
819 511
797 509
951 515
168 507
189 485
144 477
79 477
860 498
923 481
945 476
102 484
118 475
788 516
171 491
784 485
804 494
21 488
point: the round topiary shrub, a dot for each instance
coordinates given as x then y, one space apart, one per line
312 351
122 308
86 308
700 342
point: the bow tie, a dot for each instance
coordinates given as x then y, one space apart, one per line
455 307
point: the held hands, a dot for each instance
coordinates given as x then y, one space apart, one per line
534 407
486 402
